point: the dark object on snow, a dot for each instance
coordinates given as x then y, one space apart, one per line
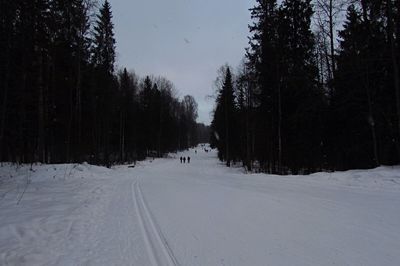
184 159
181 159
131 166
188 159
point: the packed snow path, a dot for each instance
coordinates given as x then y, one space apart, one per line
167 213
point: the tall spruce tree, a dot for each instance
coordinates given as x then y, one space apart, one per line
8 18
264 59
301 97
224 122
105 87
104 42
281 54
364 101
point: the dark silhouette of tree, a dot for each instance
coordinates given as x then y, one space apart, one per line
104 42
305 105
224 122
364 101
105 89
264 60
61 100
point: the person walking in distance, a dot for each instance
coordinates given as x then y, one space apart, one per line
188 159
184 159
181 159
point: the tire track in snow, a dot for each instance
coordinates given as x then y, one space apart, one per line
157 246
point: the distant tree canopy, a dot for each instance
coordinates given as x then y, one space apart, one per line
301 103
61 99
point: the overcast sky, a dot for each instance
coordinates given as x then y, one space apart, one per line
183 40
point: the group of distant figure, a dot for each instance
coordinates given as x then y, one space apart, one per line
183 159
187 159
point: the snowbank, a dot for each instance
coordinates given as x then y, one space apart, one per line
164 212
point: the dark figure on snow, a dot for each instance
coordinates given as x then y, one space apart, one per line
184 159
181 159
188 159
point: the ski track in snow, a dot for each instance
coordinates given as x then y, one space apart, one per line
163 212
155 240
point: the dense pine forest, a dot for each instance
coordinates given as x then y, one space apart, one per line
318 88
62 100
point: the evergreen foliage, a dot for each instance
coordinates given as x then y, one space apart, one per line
62 100
224 123
294 120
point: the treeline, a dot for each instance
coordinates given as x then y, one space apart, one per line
302 102
203 133
63 101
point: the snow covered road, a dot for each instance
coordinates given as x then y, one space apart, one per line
167 213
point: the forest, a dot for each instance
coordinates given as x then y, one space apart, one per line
62 100
318 88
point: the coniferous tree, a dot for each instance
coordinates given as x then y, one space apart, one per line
61 100
103 61
224 122
8 18
301 97
304 107
281 55
365 90
104 42
127 104
263 57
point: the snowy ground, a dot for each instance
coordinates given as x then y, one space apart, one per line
202 213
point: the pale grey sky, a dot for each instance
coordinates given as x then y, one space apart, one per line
183 40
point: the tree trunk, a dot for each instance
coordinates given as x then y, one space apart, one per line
395 66
122 136
41 132
371 120
248 125
279 130
228 162
332 38
70 120
78 103
4 102
159 132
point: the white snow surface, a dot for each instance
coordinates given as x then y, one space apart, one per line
163 212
